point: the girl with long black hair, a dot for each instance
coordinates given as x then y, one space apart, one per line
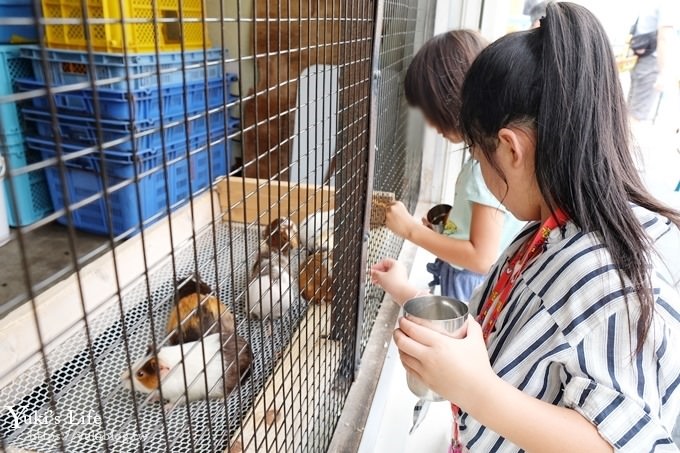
572 339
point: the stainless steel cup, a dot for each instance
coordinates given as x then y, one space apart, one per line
443 314
438 216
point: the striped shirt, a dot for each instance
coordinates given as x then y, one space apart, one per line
564 337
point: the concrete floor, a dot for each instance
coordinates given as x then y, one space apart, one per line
47 253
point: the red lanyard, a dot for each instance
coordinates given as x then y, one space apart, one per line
496 301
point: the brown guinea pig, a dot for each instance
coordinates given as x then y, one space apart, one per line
282 234
316 277
198 312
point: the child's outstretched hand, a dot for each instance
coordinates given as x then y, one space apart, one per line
392 276
455 366
399 220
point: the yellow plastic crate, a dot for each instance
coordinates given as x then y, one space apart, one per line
139 36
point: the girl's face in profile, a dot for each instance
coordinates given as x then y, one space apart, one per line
452 136
492 179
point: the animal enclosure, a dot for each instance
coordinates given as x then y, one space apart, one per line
212 169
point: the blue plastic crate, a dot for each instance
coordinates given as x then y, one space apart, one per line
84 179
17 34
117 135
200 172
67 67
12 67
141 104
29 190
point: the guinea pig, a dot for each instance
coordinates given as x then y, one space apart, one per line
316 277
166 370
316 231
282 235
269 287
196 313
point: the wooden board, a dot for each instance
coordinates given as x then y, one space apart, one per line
249 200
305 373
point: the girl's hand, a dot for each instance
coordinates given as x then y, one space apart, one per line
392 276
399 221
456 366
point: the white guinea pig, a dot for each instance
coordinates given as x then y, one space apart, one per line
316 231
269 289
172 363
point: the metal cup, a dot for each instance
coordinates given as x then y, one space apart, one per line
439 313
438 216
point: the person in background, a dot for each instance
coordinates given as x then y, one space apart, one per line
478 226
570 346
653 72
536 13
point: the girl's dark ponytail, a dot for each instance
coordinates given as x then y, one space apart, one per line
583 141
562 79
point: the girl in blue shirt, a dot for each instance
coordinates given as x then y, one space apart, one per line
478 226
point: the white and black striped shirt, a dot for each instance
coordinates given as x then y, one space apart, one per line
565 337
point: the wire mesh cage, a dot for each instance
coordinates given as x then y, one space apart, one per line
397 163
190 186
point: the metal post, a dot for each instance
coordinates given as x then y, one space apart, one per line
372 138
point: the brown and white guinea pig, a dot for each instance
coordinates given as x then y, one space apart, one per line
316 277
282 234
167 371
269 287
196 313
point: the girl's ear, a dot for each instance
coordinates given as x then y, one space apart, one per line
516 147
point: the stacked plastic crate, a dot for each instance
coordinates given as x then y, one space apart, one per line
20 33
24 197
138 127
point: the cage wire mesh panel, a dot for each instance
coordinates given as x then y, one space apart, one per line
397 166
74 381
204 167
